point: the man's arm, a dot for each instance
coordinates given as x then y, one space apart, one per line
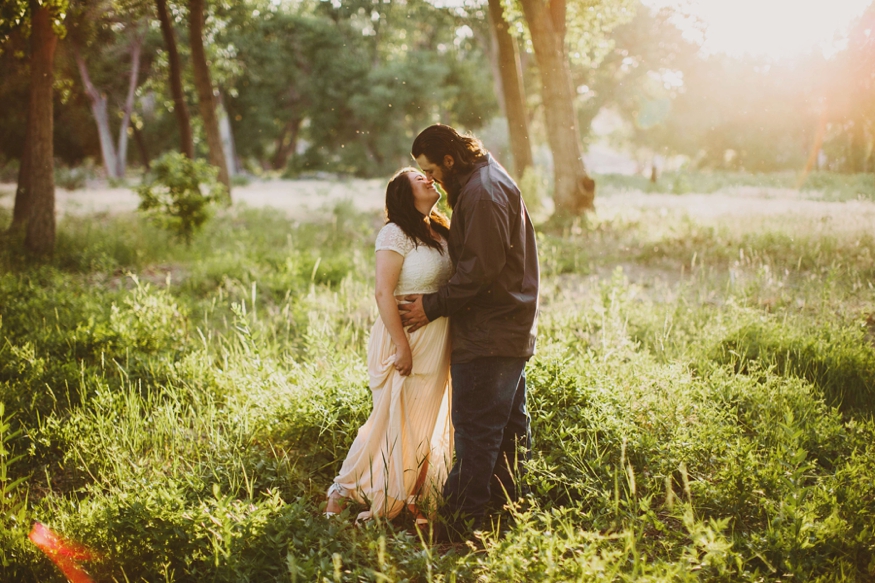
481 260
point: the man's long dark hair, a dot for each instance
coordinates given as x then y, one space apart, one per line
401 210
439 140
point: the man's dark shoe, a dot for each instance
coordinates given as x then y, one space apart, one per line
440 534
443 533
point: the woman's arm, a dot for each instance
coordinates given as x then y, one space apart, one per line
388 271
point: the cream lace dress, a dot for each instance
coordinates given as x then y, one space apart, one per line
410 422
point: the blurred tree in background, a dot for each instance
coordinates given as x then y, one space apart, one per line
850 99
512 96
559 30
752 114
343 86
34 211
204 84
639 74
103 34
346 87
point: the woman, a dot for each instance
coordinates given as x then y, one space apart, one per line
402 452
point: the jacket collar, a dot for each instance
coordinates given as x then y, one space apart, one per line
464 178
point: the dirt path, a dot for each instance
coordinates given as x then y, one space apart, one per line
311 199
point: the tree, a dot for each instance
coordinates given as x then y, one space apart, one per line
574 190
747 114
512 89
106 30
556 27
345 87
34 211
850 97
425 66
14 93
639 74
180 108
292 68
75 137
204 86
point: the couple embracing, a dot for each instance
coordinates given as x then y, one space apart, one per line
458 308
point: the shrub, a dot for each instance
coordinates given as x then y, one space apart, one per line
681 184
535 188
838 361
841 186
241 180
179 195
70 178
8 170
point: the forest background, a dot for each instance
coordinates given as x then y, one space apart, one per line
179 385
342 87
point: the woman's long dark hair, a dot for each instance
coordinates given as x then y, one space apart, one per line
401 210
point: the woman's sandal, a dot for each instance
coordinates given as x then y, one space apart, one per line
419 519
336 499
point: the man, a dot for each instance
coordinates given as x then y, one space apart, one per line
492 303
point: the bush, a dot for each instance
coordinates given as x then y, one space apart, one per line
9 170
70 178
535 188
838 361
842 186
180 193
241 179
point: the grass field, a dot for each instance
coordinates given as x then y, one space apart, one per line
702 402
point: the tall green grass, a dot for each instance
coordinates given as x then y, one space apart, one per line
701 401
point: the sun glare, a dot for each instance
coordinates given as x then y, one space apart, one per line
774 28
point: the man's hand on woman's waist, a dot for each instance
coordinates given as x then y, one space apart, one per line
412 315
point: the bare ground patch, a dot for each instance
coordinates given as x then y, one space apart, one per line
751 207
298 199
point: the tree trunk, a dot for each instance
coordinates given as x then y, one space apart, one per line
574 190
40 231
870 151
512 89
227 134
489 42
101 118
23 198
141 146
204 86
136 46
286 144
858 147
179 106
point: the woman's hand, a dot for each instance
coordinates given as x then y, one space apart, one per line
403 360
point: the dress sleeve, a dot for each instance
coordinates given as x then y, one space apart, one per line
391 237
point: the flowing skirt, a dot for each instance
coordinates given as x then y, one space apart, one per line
409 426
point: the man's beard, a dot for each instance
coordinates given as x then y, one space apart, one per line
450 185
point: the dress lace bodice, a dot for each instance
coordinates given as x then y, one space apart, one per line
424 269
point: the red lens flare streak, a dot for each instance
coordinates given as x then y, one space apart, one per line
65 554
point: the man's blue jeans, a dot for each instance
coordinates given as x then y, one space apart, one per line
492 437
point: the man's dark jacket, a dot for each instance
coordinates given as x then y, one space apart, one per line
492 298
